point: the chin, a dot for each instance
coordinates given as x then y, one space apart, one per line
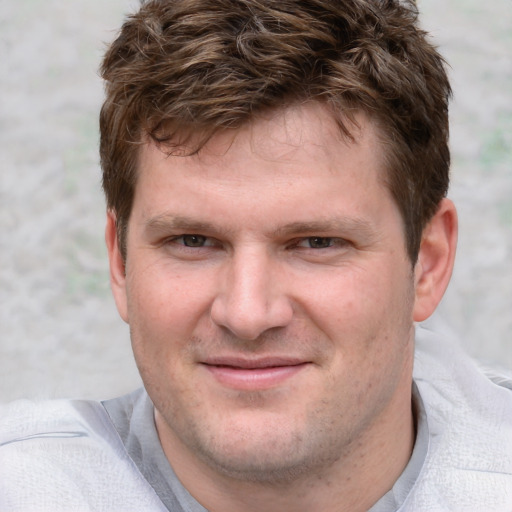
267 455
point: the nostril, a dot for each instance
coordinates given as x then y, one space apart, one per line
248 321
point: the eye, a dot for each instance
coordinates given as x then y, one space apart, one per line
322 242
317 242
192 240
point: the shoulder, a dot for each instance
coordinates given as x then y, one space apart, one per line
23 418
469 417
66 455
497 374
30 422
449 377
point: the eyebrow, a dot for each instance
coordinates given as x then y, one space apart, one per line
347 225
344 224
170 222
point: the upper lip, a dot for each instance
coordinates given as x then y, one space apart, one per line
254 363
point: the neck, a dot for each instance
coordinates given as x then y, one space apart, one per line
355 482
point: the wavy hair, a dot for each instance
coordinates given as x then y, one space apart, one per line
182 67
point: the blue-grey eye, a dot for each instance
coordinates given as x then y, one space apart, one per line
193 240
319 242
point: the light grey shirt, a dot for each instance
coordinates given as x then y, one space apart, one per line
133 418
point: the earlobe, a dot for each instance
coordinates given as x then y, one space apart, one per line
117 266
435 261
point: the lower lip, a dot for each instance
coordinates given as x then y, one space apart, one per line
255 379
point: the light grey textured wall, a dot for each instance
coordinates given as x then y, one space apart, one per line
59 331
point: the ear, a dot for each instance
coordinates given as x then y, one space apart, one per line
117 266
435 261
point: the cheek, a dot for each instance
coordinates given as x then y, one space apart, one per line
345 299
366 312
166 310
160 298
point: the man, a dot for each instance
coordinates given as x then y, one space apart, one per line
275 175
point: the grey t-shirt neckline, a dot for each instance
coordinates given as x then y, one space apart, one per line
133 417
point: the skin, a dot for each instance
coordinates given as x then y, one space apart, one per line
271 305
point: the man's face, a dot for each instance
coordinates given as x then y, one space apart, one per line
270 296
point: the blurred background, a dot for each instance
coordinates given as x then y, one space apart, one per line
60 335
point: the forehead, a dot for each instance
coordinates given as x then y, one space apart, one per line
288 167
296 134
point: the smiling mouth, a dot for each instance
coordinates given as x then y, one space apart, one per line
254 375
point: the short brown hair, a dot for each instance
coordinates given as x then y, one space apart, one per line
197 66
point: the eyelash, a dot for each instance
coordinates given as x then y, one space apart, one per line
321 242
182 241
194 239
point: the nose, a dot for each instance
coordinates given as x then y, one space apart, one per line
252 297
